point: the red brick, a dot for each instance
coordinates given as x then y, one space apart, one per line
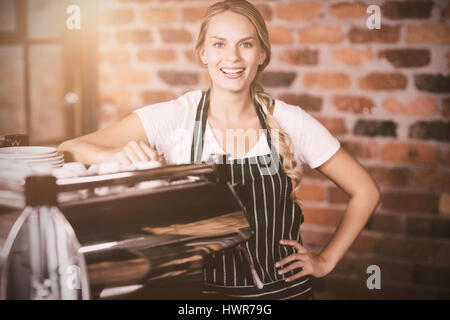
432 275
447 56
352 56
279 34
410 201
390 177
176 36
446 107
156 56
407 9
406 58
361 149
304 101
312 235
347 10
410 153
205 80
428 33
134 36
423 106
194 14
435 83
179 78
265 11
154 96
345 265
446 158
337 195
190 55
386 222
158 16
311 192
444 203
300 56
446 12
344 287
326 80
428 226
336 126
395 272
310 173
383 81
322 216
113 56
365 243
358 105
277 78
443 253
408 249
304 11
432 178
133 76
320 34
118 97
116 16
387 34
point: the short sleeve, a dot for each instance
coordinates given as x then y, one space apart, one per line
160 122
312 143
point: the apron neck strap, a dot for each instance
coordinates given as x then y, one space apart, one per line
200 126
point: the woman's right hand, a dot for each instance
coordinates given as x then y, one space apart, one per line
132 153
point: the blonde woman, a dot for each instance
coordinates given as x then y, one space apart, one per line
274 140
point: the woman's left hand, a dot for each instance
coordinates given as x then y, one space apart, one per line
310 262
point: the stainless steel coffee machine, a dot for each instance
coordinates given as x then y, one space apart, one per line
96 236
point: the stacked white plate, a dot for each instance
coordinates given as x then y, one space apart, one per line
31 156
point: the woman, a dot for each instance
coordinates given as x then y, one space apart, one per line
233 44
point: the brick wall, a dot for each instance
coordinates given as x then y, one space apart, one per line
385 94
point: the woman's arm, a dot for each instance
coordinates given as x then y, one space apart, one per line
123 141
365 194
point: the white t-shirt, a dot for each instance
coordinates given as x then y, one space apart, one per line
169 128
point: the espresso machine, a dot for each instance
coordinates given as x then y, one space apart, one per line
103 235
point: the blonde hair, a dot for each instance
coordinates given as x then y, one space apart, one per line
257 93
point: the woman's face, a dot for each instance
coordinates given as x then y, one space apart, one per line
232 51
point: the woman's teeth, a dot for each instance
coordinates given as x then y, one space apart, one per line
232 71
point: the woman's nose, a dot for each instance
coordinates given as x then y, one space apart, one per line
232 54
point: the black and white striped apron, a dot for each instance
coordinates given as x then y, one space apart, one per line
271 214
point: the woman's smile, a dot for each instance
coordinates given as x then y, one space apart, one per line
233 73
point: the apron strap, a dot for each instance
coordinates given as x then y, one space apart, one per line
200 126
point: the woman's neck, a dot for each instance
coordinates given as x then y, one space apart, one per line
230 106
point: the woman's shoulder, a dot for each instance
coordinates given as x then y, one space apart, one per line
288 115
187 99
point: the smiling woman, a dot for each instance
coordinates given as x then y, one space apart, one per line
233 44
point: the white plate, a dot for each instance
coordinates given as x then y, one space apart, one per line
28 156
6 164
27 150
49 159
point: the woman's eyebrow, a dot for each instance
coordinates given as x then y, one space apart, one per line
223 39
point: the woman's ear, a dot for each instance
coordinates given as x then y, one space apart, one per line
203 57
263 56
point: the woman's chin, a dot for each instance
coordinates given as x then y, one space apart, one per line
233 87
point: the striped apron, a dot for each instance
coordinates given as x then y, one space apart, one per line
272 216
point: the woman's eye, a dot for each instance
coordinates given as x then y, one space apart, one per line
218 44
247 44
